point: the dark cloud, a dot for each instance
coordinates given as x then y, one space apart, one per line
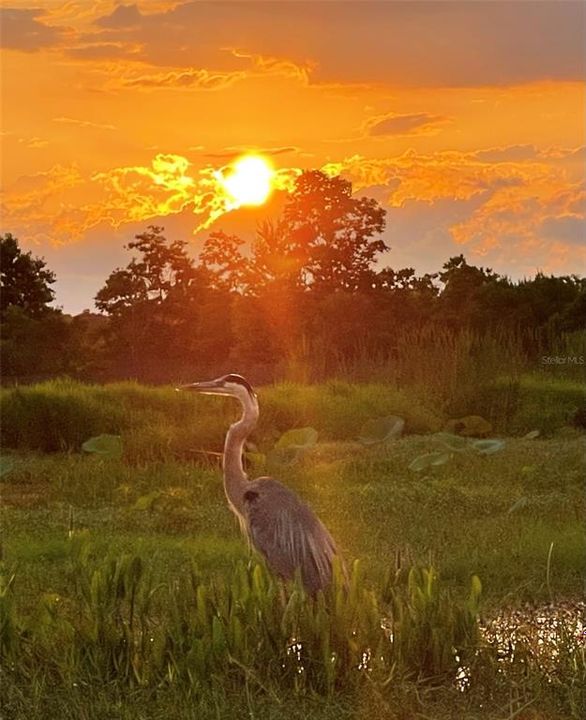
577 154
232 151
22 31
569 229
419 232
417 44
124 16
521 153
511 153
101 51
405 124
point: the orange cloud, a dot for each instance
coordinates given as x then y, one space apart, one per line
84 123
34 204
136 193
177 79
434 176
523 212
60 205
410 124
528 211
33 142
538 213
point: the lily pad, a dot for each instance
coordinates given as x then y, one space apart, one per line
455 443
522 502
531 435
104 445
429 460
469 426
7 464
300 438
147 502
256 459
292 445
381 430
487 447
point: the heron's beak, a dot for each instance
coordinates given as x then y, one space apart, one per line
210 386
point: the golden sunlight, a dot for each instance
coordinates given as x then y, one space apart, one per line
251 180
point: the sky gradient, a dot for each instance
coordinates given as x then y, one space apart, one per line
466 120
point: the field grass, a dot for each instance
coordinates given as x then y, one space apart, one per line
88 538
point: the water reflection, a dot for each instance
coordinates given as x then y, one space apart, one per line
543 637
540 635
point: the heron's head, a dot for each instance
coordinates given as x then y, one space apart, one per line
232 384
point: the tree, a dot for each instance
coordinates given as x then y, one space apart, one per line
36 340
221 257
276 260
332 232
37 347
156 306
24 280
162 267
326 239
460 301
324 242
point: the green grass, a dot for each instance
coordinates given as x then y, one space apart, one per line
68 518
161 423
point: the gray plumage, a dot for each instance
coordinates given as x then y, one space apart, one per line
279 525
288 533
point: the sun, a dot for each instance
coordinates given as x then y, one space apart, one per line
250 182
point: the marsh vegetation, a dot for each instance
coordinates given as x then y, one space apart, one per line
128 592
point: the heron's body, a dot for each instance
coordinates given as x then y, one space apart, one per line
279 525
288 533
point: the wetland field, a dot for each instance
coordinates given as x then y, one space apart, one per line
127 590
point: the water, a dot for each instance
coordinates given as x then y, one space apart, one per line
542 637
537 634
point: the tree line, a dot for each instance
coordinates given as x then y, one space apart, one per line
308 288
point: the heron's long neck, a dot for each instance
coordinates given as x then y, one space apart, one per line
235 479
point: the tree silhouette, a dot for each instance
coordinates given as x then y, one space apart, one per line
222 259
162 266
24 280
36 339
157 306
326 240
332 233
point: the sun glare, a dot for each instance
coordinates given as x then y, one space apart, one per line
250 181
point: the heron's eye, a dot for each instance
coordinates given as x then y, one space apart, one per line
250 496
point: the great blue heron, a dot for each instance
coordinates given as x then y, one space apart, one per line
278 524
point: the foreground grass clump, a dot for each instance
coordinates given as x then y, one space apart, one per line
118 622
121 628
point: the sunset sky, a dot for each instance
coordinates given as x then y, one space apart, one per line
466 120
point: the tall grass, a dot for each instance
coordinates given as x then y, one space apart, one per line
119 623
160 423
454 369
448 369
118 626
